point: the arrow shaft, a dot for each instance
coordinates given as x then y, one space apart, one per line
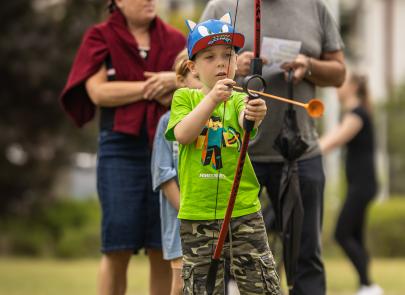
301 104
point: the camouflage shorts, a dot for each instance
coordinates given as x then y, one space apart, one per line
246 249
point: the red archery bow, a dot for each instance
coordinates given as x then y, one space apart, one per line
256 68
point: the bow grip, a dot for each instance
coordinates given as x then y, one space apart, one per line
252 82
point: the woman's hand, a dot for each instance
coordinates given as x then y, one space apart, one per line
221 91
158 84
165 99
244 61
299 66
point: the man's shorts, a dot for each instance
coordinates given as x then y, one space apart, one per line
246 248
130 209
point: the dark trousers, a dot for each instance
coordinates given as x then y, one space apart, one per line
351 225
310 276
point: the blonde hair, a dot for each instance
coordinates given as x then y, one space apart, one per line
180 64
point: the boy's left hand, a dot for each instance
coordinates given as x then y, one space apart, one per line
255 109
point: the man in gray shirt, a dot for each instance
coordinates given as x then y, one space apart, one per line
320 63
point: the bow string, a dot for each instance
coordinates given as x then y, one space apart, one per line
256 69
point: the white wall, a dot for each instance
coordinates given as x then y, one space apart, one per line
373 46
399 41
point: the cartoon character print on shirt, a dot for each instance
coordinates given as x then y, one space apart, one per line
212 138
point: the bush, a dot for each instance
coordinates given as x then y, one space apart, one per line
69 214
395 140
65 228
386 228
75 225
79 243
20 238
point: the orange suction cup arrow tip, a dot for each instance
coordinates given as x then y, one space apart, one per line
315 108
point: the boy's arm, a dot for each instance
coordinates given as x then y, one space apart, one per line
172 193
162 165
254 110
187 130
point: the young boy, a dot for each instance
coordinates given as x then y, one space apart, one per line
164 177
207 123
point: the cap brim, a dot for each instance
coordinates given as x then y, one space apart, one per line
235 39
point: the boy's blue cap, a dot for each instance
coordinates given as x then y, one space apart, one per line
212 32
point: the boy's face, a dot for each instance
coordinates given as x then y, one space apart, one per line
211 64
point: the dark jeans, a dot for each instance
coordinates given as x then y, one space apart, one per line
310 277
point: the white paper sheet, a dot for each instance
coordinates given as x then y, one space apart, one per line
277 52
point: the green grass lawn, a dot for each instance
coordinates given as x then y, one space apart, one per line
20 276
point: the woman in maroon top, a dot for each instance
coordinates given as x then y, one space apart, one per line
124 67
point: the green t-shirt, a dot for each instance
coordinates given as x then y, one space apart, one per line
200 161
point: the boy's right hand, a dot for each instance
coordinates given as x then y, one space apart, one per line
222 90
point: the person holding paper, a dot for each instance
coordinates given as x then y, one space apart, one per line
320 62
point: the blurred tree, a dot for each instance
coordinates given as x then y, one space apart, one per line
396 141
38 43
